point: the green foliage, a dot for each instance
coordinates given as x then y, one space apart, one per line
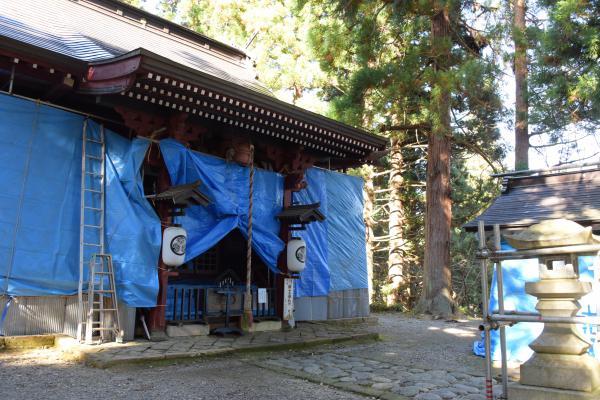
565 69
372 64
471 192
273 32
381 67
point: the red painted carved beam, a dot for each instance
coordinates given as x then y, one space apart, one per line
111 77
289 160
140 122
183 130
159 127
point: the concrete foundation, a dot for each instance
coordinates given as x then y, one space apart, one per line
187 330
265 326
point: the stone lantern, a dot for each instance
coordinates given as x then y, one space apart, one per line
561 367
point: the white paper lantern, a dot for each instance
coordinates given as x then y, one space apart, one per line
296 255
173 247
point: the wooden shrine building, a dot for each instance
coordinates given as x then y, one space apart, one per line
141 76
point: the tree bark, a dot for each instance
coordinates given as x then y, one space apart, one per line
395 274
369 199
521 100
436 298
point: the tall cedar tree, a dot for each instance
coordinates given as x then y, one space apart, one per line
521 99
565 72
416 70
379 72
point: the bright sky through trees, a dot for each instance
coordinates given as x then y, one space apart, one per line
587 149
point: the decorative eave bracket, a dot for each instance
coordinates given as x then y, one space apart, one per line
298 216
181 196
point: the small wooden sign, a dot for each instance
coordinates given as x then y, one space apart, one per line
288 299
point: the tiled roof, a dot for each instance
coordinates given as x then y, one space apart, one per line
99 30
113 48
530 199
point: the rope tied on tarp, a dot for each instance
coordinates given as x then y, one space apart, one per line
248 296
4 314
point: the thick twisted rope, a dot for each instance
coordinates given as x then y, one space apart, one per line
248 297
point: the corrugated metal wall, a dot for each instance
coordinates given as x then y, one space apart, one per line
51 314
33 315
352 303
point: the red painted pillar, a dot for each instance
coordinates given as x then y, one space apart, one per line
292 183
284 234
157 314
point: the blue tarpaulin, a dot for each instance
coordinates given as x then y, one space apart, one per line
346 234
227 186
515 274
336 256
133 232
40 173
315 279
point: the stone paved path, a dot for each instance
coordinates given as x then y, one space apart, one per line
417 359
416 383
306 334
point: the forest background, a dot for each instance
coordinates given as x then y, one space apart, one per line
462 89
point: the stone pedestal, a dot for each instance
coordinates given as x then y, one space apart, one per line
516 391
561 368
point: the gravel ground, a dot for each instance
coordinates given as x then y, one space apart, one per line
426 343
41 374
407 341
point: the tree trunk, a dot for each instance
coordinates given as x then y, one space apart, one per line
369 198
436 298
521 101
396 222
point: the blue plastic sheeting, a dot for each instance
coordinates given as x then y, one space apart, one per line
515 274
40 173
133 232
227 186
315 279
335 249
346 235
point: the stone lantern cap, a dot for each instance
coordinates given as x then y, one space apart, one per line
552 233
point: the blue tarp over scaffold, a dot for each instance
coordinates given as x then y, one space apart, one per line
515 274
227 186
40 175
336 256
336 252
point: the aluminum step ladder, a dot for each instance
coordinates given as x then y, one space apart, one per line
98 312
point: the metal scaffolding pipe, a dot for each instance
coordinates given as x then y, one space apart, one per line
499 319
534 253
512 312
500 287
484 305
549 320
